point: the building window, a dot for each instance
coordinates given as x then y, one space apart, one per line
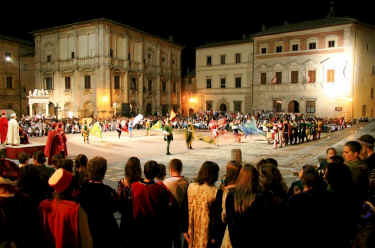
208 105
162 59
310 107
9 82
208 83
263 78
173 61
279 49
279 75
133 84
372 93
222 59
312 45
209 60
73 55
149 85
87 82
237 106
67 83
49 57
311 77
117 82
294 75
174 87
222 83
49 85
295 47
238 82
111 52
129 56
331 43
164 86
373 69
277 106
263 50
331 76
364 111
238 58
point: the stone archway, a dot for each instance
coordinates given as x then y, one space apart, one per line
293 107
148 109
223 107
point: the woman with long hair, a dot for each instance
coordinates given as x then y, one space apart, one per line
201 195
247 210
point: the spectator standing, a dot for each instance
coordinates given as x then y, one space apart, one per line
201 195
177 185
100 203
64 222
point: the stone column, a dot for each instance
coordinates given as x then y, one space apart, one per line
126 87
156 104
31 109
169 93
140 94
47 110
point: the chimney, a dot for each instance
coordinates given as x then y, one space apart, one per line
264 27
170 38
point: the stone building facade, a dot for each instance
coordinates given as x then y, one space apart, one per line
16 73
224 76
101 68
189 97
322 68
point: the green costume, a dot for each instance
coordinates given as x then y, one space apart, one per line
85 133
168 136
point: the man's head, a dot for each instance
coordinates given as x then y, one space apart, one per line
330 153
175 165
97 168
151 169
3 114
367 143
351 151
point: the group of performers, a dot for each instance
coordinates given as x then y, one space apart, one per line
291 132
10 131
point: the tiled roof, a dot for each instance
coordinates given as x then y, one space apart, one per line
319 23
225 43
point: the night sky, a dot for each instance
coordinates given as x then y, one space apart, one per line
191 23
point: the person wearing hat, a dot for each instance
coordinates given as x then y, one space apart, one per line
64 222
13 134
18 215
3 127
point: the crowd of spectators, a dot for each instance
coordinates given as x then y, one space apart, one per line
69 205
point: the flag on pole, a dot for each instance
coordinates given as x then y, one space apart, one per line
172 116
156 126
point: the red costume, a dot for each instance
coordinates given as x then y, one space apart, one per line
56 143
3 128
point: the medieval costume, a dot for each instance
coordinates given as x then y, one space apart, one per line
148 127
118 129
56 143
62 148
3 128
13 135
96 130
189 135
85 133
24 138
168 135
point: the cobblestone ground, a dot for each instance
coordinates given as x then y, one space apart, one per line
117 151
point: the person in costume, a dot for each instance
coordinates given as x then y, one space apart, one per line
148 127
24 138
13 133
130 127
168 134
119 129
96 130
3 128
189 135
85 133
62 148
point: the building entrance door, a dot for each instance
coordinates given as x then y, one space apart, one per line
293 107
223 107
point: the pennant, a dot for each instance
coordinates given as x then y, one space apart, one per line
157 126
172 116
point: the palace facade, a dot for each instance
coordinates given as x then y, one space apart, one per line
320 68
16 73
102 68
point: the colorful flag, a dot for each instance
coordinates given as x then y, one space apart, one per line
157 126
172 116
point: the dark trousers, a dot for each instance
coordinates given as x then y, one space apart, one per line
168 143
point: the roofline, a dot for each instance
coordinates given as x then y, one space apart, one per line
34 32
344 22
17 40
224 43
